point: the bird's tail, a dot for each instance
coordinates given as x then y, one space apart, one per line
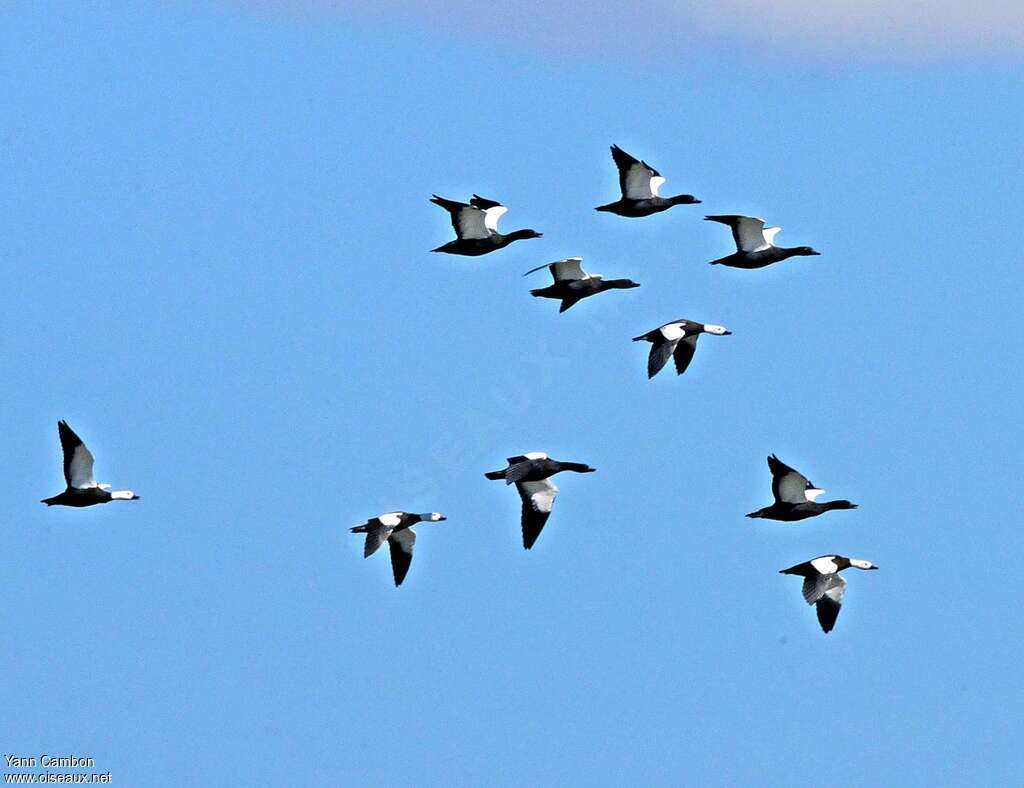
756 515
538 293
495 474
360 529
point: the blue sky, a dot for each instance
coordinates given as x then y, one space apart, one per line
214 234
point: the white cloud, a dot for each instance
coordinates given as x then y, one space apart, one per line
646 29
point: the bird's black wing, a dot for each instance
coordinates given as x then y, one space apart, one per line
401 545
683 354
660 353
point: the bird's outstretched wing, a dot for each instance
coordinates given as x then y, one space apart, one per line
637 179
747 231
788 485
401 545
538 500
78 459
683 354
661 352
468 221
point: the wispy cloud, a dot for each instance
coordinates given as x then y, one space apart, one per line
647 29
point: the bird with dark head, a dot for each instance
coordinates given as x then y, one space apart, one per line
476 226
573 284
639 183
755 247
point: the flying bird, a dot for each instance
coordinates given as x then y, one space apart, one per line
794 496
823 587
677 339
530 473
754 243
639 182
396 529
573 284
82 489
476 225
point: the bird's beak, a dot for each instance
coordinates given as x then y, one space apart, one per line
872 567
442 518
590 470
816 254
727 334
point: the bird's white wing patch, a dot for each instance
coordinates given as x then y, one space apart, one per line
811 493
473 222
491 216
535 455
770 233
750 236
673 331
826 564
80 469
568 270
656 182
390 519
541 494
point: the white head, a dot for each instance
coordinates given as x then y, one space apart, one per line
860 563
812 493
597 276
713 329
432 517
123 495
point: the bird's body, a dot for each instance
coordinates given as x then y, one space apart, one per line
572 283
791 513
476 225
754 243
794 496
639 183
395 528
678 340
531 474
82 489
823 587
